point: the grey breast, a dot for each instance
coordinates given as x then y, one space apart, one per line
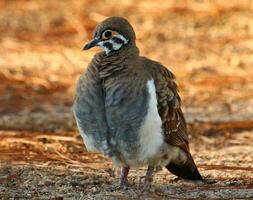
125 108
89 109
111 105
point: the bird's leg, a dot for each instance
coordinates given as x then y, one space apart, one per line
123 177
148 178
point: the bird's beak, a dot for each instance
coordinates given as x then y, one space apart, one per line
91 44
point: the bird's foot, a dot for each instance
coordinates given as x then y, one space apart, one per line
123 178
123 185
147 184
148 179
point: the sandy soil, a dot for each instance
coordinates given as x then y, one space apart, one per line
56 166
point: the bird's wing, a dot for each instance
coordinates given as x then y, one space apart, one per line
174 124
169 108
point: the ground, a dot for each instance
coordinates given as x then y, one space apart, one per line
207 44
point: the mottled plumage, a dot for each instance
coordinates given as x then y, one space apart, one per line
128 108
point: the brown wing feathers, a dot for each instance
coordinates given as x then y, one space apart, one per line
174 124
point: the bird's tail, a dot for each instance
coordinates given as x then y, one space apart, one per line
188 170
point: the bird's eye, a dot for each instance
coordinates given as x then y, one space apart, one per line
107 34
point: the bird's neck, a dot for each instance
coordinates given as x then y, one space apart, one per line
128 51
119 61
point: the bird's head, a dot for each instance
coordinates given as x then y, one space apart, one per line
112 34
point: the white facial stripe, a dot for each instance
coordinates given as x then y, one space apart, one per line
115 46
122 38
101 44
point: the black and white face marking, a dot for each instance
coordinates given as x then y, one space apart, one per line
111 41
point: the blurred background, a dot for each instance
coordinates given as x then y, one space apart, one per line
208 44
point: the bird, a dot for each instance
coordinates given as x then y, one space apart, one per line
127 107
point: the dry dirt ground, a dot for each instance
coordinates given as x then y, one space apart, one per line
56 166
207 44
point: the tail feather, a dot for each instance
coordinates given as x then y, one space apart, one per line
187 171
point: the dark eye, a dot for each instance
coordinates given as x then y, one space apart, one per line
107 34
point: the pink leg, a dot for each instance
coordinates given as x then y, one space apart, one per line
123 177
148 178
